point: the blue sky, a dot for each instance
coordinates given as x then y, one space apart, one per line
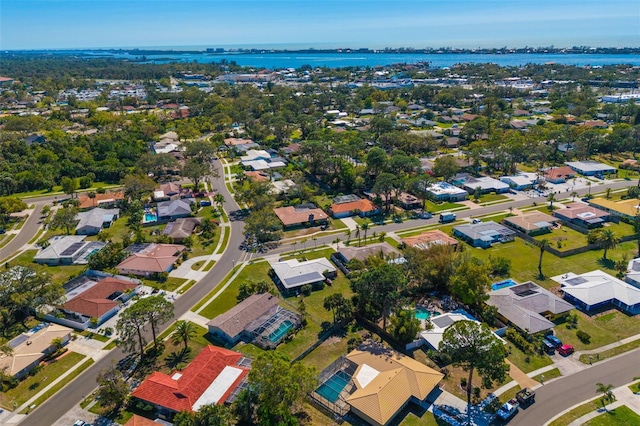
63 24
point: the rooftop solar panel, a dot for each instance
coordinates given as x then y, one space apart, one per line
72 249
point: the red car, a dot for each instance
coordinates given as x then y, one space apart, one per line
566 350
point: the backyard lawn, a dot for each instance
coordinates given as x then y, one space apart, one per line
604 328
59 274
518 358
438 207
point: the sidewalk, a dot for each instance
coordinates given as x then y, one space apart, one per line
520 377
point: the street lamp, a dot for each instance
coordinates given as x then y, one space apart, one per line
234 263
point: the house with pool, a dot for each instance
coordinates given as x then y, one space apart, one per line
432 337
375 384
258 319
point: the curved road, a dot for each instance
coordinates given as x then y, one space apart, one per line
556 401
557 396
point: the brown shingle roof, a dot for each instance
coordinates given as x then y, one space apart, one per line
157 258
93 302
295 215
429 238
87 203
362 205
233 322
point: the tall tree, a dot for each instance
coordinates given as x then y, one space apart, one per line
263 226
65 218
445 167
470 281
405 326
385 185
156 310
607 394
339 306
543 245
112 387
137 187
380 289
473 346
607 240
69 185
277 389
207 415
130 328
195 171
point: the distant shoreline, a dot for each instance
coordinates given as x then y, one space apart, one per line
348 51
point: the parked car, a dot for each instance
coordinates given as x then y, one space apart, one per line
566 350
2 231
205 203
548 347
554 340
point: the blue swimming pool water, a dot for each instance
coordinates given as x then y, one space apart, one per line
422 314
503 284
277 335
330 390
150 217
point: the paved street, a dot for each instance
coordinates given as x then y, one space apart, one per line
554 397
561 394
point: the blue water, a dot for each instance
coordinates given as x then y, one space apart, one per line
336 60
330 390
503 284
422 314
150 217
280 332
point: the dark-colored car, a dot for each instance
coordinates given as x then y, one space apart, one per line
554 340
566 350
2 231
548 347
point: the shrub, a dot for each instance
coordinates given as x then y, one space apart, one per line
463 382
519 341
306 289
583 337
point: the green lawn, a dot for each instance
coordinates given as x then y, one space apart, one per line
604 329
635 388
27 388
610 352
509 393
518 358
548 375
170 284
227 299
62 383
491 198
564 238
438 207
60 274
621 416
576 413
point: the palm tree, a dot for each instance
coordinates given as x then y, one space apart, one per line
57 343
607 394
358 234
543 245
92 196
184 332
574 194
336 242
551 198
348 234
607 240
365 228
219 200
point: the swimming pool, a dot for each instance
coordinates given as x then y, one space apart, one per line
331 389
150 217
424 314
277 335
503 284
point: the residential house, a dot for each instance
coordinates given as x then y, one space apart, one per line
215 376
385 382
595 124
633 272
169 210
170 191
150 259
407 201
623 208
350 205
582 215
596 290
439 323
484 234
429 238
534 223
292 274
181 228
591 168
258 319
106 200
486 184
301 215
93 296
67 250
383 250
258 176
282 187
261 160
28 349
559 174
521 181
528 306
93 221
443 191
521 113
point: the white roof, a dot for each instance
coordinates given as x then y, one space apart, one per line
366 375
589 166
440 323
485 183
596 287
165 148
281 186
255 154
440 188
293 273
59 244
521 179
218 387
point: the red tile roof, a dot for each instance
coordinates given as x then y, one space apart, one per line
93 302
87 203
362 205
158 258
293 216
182 393
137 420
